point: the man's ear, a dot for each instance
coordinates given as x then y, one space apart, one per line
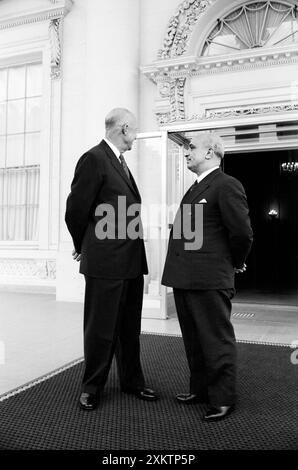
209 154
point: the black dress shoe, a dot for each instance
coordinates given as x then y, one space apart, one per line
215 413
190 398
142 393
88 401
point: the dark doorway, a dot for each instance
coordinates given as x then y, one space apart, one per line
272 272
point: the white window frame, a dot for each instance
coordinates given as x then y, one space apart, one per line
25 38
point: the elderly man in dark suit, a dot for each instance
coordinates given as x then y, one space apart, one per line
214 212
103 217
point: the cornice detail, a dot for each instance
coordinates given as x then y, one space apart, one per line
180 27
56 9
192 66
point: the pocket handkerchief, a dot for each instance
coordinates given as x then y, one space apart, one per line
202 201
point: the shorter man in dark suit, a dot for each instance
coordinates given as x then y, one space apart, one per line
214 211
113 260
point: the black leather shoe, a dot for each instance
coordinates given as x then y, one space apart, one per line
142 393
215 413
88 401
190 398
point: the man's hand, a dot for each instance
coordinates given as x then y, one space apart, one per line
240 270
76 256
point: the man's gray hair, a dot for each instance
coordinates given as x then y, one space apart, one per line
116 117
213 141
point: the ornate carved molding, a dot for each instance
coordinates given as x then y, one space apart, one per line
55 35
29 269
55 9
180 27
245 111
171 107
174 66
177 99
162 118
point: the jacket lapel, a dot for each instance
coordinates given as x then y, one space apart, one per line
118 167
134 184
200 187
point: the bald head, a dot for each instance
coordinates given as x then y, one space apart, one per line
121 128
117 117
211 140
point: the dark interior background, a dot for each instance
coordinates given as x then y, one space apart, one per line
273 262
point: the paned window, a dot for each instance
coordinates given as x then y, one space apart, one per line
255 24
20 128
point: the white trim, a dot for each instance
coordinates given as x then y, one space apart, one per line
23 245
231 122
149 135
163 219
262 146
57 10
27 254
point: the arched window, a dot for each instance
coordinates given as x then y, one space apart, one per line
255 24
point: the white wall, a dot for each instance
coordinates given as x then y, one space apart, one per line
155 15
100 72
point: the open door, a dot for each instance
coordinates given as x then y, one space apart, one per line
150 171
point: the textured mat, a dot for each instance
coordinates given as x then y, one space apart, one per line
47 416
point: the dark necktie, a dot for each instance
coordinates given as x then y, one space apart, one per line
124 165
193 186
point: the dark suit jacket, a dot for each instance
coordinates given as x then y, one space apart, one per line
227 236
100 179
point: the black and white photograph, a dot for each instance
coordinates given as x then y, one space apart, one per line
148 231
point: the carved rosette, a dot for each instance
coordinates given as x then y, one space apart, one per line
55 42
180 27
162 118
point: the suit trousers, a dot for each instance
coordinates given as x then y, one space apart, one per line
112 324
209 340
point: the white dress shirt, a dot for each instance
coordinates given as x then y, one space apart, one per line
113 147
205 173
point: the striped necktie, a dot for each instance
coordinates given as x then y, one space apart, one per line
124 165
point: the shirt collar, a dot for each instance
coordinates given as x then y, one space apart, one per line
205 173
113 147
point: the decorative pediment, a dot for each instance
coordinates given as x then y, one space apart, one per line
180 59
